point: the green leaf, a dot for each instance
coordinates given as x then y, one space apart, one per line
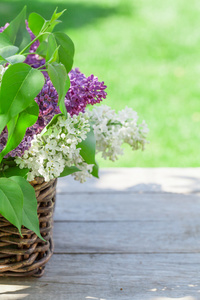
54 57
17 127
15 59
56 15
61 82
52 49
42 49
14 171
88 148
69 171
8 51
20 85
2 60
39 25
52 122
16 32
54 20
4 41
49 28
11 204
66 49
7 54
36 23
10 161
51 24
95 170
30 217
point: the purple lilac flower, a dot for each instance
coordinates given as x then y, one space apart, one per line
83 91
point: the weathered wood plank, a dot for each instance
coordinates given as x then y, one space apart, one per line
118 207
176 180
111 277
157 234
127 237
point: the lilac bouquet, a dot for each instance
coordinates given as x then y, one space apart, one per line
46 129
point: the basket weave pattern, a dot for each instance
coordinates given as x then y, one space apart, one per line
27 255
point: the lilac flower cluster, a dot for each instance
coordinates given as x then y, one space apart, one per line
83 91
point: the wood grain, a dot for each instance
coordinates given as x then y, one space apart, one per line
127 237
111 277
123 207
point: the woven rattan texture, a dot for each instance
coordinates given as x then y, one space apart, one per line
27 255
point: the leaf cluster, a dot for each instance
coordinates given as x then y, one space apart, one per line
18 110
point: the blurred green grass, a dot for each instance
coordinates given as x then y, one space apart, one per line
148 54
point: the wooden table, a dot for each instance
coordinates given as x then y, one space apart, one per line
132 235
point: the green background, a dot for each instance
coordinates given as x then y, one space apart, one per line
148 54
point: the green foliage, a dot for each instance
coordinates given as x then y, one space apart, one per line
36 23
88 150
8 51
88 147
14 171
10 161
7 55
5 42
11 203
29 210
20 85
16 32
56 15
68 171
54 19
13 59
61 82
39 26
52 122
17 127
18 203
52 50
42 49
58 51
66 49
95 170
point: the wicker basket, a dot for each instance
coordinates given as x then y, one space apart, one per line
27 255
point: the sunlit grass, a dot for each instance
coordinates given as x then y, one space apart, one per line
148 54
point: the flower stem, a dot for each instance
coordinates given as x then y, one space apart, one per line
33 41
30 53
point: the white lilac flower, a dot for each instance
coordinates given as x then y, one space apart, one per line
112 130
50 153
84 173
57 148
